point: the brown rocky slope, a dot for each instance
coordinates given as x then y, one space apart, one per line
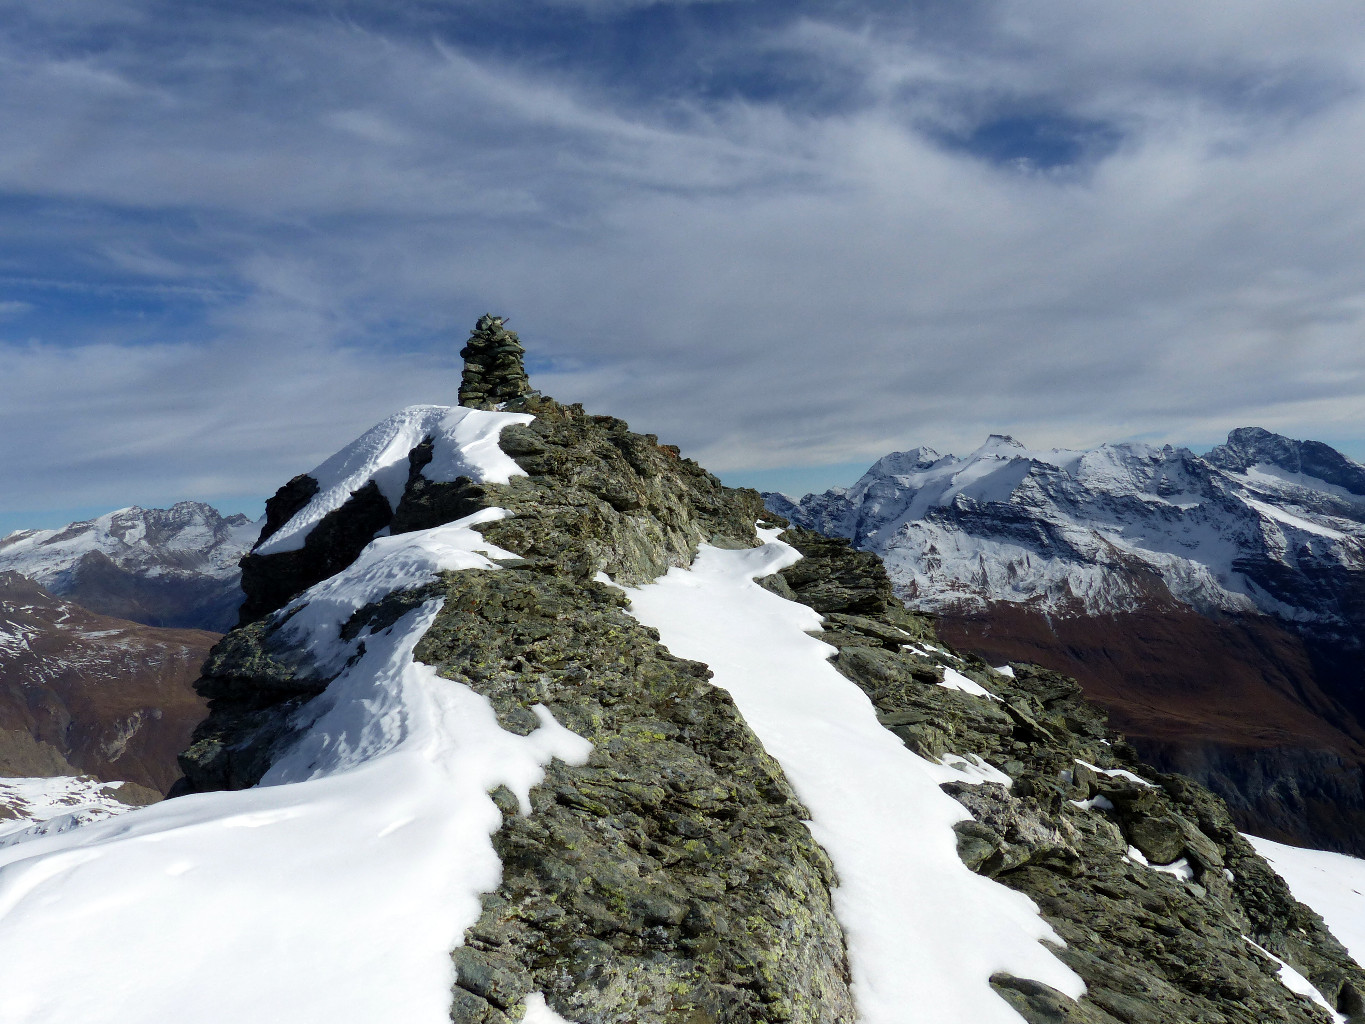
103 696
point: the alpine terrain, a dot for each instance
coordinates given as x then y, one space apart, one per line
529 718
174 567
1214 604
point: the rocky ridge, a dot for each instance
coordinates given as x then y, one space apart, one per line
671 877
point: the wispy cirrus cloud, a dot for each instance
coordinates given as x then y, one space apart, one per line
776 234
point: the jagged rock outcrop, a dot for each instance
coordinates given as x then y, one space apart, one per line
671 877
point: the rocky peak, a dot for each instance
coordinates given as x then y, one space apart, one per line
1248 447
493 368
670 876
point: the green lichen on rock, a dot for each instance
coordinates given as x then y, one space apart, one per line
597 497
669 879
1152 948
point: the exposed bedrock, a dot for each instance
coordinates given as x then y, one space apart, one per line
1154 946
1197 694
671 878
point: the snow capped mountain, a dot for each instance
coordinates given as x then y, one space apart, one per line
1215 604
472 773
1247 528
164 567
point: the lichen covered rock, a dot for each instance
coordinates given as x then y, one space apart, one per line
1156 943
671 878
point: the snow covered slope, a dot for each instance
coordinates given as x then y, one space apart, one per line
1247 528
162 567
332 891
1215 604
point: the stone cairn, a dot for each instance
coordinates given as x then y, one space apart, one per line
493 369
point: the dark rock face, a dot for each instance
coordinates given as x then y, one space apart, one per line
269 581
493 370
1252 446
1152 948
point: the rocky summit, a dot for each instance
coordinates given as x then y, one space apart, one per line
461 762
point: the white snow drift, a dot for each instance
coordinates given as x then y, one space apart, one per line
464 443
924 932
334 890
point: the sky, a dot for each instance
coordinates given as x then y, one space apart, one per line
788 237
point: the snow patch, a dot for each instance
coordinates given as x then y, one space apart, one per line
1116 773
955 680
924 932
1296 982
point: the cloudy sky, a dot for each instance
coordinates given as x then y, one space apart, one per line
787 236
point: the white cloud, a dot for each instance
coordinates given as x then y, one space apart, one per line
762 281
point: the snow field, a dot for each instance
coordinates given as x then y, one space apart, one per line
924 933
334 890
1332 884
49 805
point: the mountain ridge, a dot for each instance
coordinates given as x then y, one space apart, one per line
1133 562
174 567
596 738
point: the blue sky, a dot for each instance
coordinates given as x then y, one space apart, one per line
789 237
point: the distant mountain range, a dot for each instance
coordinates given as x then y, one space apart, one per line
1215 604
174 567
103 627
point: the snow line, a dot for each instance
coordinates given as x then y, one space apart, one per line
924 932
1332 884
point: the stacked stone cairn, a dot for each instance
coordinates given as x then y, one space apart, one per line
493 368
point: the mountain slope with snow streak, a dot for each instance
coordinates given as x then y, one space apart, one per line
1215 604
925 934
